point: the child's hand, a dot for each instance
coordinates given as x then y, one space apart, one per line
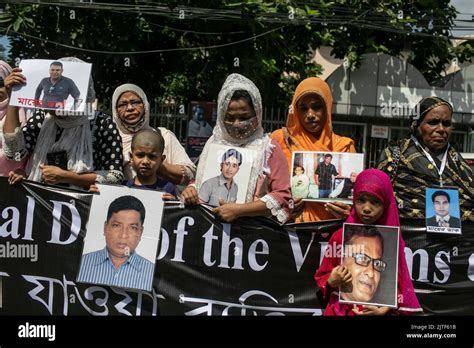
15 176
340 275
338 209
93 188
190 195
371 310
168 197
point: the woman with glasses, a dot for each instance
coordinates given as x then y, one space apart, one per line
425 159
373 204
131 112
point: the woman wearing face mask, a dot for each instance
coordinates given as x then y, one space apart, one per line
239 124
309 128
86 147
425 159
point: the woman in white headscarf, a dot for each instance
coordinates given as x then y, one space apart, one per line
131 112
239 124
87 146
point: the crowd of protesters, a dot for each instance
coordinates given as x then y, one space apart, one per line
96 148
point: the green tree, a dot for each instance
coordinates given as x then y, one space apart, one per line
187 48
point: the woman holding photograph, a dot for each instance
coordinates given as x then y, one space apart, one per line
239 124
309 128
131 112
76 150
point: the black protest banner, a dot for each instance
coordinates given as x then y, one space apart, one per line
204 266
442 267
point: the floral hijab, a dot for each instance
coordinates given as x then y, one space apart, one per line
256 140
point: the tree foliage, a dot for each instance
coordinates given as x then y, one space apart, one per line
270 42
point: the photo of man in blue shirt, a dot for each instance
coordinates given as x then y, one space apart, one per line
56 89
118 264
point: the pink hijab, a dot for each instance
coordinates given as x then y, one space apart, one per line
378 183
7 165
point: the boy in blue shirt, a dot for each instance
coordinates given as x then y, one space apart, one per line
146 158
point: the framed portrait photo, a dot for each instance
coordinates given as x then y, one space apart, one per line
443 210
53 85
370 252
201 122
122 237
226 176
325 176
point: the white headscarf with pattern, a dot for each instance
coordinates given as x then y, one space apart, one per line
256 141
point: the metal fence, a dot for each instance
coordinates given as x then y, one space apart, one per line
172 118
175 118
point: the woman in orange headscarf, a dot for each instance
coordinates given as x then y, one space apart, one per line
309 128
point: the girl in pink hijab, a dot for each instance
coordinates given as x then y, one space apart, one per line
373 204
6 165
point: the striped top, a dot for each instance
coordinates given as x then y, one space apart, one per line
135 273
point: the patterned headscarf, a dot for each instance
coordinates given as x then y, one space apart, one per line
422 108
257 140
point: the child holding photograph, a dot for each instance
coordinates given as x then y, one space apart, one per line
374 204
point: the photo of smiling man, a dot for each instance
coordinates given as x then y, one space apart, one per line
225 175
223 188
370 255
